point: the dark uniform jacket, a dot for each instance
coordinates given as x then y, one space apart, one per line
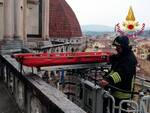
122 73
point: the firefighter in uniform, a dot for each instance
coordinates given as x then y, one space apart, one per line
122 72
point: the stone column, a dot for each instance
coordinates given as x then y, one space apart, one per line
1 19
8 19
19 10
45 19
25 21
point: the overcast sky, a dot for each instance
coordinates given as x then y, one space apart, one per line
109 12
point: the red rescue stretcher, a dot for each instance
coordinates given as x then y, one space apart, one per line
67 58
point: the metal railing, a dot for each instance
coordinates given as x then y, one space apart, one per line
142 105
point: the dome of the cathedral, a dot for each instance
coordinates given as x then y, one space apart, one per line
62 21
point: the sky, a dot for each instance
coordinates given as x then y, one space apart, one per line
109 12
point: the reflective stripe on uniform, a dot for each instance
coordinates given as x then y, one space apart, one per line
121 95
116 77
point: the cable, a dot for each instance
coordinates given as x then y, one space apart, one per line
121 90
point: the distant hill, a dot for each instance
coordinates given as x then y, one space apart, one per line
96 28
101 29
146 33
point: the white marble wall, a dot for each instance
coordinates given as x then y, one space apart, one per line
21 17
33 18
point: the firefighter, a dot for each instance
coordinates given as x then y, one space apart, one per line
122 72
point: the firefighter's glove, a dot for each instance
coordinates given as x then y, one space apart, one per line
103 83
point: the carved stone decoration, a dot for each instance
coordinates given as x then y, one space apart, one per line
35 105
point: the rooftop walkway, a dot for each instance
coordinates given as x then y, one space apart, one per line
7 103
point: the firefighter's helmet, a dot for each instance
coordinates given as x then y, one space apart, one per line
121 41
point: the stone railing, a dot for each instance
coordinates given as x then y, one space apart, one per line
31 93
